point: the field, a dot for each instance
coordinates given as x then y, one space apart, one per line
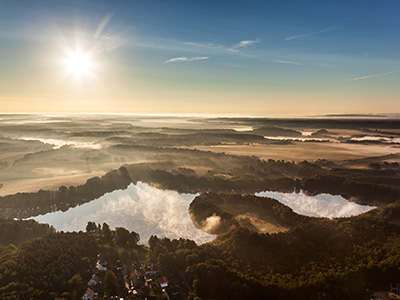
310 151
46 152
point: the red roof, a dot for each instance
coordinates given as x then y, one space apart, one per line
90 292
135 273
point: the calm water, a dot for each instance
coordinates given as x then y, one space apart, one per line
140 208
322 205
151 211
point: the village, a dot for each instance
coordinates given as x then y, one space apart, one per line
139 280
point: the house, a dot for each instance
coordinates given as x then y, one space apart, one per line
100 267
94 281
136 278
89 294
163 281
135 273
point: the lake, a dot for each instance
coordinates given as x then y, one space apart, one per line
151 211
321 205
140 208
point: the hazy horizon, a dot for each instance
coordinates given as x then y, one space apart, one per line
393 115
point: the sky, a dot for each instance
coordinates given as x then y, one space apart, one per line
192 56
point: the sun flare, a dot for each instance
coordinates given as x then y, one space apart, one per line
79 64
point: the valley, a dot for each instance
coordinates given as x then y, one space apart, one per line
277 206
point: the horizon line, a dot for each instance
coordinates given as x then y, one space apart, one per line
219 115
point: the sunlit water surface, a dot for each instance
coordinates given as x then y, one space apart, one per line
140 208
321 205
151 211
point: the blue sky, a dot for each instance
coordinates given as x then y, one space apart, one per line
202 56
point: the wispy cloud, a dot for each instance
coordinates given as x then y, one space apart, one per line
287 62
185 59
373 75
197 47
209 46
215 47
309 34
246 43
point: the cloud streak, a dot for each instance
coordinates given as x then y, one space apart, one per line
373 75
185 59
293 37
246 43
215 47
208 46
287 62
196 48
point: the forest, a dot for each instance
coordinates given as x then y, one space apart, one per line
345 258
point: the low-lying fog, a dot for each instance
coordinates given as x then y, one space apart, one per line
303 138
322 205
140 208
57 143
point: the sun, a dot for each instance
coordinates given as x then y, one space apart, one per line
78 64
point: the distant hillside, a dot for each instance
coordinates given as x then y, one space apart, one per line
276 131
